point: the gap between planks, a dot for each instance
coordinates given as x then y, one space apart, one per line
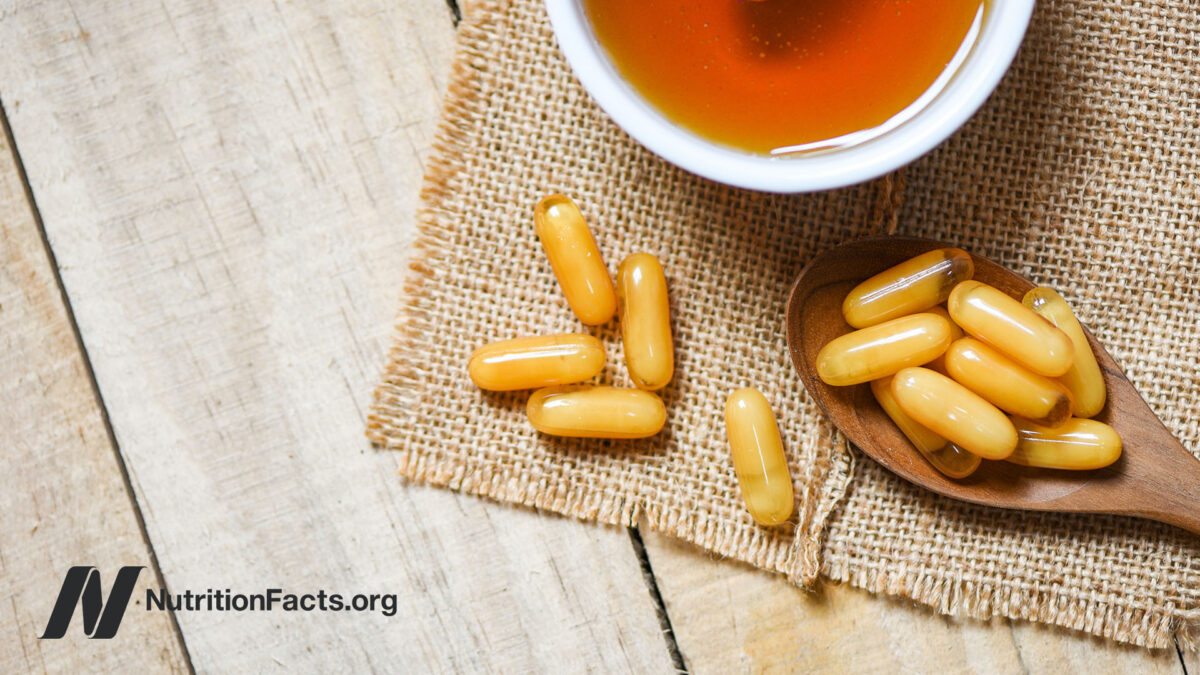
442 596
455 10
31 200
635 537
660 607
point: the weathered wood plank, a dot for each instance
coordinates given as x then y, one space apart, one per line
228 188
729 618
62 494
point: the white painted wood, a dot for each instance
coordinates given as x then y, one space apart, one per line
229 189
730 618
62 496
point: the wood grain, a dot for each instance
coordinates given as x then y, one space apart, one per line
730 618
228 191
1156 477
61 490
228 188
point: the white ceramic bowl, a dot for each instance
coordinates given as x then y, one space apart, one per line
956 96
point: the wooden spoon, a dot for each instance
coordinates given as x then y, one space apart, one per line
1156 477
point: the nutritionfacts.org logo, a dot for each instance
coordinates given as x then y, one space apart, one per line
102 616
82 587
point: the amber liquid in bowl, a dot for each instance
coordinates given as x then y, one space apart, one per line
785 76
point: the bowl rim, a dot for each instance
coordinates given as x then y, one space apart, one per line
1001 33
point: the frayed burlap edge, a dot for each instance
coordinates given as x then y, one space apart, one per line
825 489
961 598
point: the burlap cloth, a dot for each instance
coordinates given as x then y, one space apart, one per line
1080 172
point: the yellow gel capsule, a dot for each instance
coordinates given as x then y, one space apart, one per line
1084 379
913 286
1077 444
645 321
596 412
956 333
881 350
954 412
943 455
575 259
1002 322
758 458
532 362
1008 385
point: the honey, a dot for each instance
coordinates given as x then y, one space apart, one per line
784 75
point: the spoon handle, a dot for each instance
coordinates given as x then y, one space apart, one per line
1188 521
1165 488
1179 508
1160 479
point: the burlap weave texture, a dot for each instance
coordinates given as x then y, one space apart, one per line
1081 172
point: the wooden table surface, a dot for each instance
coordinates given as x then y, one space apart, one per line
206 209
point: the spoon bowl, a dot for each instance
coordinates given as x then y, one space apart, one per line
1156 477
